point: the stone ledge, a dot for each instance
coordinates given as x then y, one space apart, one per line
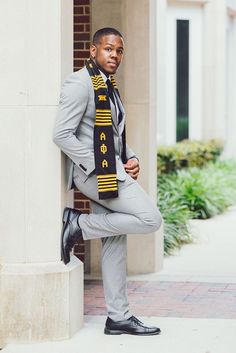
40 302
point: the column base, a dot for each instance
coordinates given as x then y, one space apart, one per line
40 301
145 253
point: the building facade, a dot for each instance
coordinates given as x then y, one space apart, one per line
196 72
177 80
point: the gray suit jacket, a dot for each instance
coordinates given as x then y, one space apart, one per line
74 126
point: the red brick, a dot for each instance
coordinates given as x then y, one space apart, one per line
81 36
81 54
80 27
79 45
87 9
76 197
77 28
79 66
82 197
169 302
78 10
81 50
87 28
81 257
79 204
81 245
82 19
79 249
81 2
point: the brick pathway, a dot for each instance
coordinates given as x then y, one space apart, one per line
169 299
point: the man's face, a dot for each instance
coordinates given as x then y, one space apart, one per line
108 53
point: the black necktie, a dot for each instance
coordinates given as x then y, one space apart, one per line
110 89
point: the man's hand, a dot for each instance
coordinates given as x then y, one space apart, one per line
132 168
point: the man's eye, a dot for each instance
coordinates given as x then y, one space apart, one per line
108 49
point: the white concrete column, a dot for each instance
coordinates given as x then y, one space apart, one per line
162 70
214 69
230 147
41 298
145 253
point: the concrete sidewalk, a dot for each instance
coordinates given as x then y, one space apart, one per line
211 258
178 336
201 277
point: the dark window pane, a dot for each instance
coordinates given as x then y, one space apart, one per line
182 80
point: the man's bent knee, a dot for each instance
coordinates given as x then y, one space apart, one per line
152 220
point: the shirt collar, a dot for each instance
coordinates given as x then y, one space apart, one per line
104 76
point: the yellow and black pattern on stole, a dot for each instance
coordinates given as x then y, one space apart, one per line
113 81
107 182
104 149
103 117
98 82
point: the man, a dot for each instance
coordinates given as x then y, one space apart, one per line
90 130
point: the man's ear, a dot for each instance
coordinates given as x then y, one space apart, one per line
93 51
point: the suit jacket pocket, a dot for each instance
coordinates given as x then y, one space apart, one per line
80 172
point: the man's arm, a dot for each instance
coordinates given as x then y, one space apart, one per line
72 105
132 164
130 153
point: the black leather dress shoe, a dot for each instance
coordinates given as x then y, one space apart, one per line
71 232
132 326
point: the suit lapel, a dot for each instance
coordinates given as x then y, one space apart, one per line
113 115
122 123
120 104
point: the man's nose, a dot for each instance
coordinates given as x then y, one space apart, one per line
114 54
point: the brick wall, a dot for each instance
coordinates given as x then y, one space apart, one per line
81 32
81 53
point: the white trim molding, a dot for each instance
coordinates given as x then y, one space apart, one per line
188 2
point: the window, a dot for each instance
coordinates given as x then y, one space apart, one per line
182 80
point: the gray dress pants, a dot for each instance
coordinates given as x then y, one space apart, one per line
132 212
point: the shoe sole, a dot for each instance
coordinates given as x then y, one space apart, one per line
120 332
65 219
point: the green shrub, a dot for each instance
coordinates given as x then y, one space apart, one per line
187 154
194 193
174 214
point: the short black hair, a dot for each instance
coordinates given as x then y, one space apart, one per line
105 32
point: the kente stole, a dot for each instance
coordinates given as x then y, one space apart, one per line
104 150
